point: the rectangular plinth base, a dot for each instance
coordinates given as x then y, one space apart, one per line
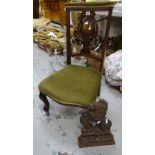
88 141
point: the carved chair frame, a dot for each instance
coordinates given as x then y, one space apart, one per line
85 51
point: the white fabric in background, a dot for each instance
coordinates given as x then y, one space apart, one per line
113 68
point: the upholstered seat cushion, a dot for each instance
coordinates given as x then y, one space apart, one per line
76 85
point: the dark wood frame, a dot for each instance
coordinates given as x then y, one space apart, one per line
80 7
35 9
105 43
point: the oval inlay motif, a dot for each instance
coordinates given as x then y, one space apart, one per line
87 27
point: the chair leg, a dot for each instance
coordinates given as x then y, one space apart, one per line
99 91
46 103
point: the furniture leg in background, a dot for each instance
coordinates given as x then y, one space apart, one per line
35 8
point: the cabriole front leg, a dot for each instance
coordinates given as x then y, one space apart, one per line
46 103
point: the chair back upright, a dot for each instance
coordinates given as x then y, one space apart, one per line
92 40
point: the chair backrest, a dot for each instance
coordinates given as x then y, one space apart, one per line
93 41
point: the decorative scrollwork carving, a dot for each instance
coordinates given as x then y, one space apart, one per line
87 30
96 127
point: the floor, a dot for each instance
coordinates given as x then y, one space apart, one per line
58 133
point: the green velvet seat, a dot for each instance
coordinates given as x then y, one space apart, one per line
74 85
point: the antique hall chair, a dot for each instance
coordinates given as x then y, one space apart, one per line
78 85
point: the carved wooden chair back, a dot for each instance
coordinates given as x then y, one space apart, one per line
93 40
